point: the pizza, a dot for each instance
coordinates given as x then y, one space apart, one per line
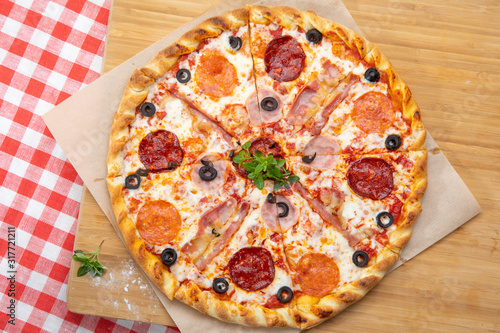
267 168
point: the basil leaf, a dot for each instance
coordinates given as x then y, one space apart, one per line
275 172
293 179
259 183
82 270
80 257
246 145
280 163
277 186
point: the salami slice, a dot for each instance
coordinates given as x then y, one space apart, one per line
371 178
158 222
252 268
215 75
317 274
160 151
284 59
373 113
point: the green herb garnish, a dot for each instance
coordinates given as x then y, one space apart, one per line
260 167
89 262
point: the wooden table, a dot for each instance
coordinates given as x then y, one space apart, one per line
448 52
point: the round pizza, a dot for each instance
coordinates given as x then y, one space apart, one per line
267 168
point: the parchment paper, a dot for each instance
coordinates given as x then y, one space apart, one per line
81 125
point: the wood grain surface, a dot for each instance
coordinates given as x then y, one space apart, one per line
448 52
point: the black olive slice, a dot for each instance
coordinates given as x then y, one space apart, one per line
142 172
214 232
172 165
271 198
308 159
269 104
384 219
285 208
220 285
273 145
372 75
183 75
148 109
360 258
132 181
169 256
239 143
393 142
314 36
285 294
207 173
235 43
207 163
231 153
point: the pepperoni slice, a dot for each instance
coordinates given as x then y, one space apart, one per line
215 75
159 150
371 178
284 59
317 274
373 112
158 222
252 268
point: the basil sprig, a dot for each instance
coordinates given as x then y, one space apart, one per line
89 262
260 167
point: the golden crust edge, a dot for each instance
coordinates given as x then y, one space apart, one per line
315 312
412 206
150 264
289 17
229 311
401 92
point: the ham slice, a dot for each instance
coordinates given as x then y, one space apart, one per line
214 184
252 105
270 214
216 218
223 241
339 93
270 116
305 101
322 211
292 218
312 95
200 116
325 149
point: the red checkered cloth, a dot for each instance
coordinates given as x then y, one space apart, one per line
48 51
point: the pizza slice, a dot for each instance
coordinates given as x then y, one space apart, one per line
377 115
164 135
301 62
249 279
215 76
173 221
324 264
378 195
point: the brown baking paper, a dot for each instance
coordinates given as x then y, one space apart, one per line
81 125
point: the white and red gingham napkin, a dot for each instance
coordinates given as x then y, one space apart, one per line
48 51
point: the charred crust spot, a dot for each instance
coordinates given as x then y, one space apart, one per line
193 295
411 216
367 282
299 319
321 313
416 115
348 297
157 271
220 22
